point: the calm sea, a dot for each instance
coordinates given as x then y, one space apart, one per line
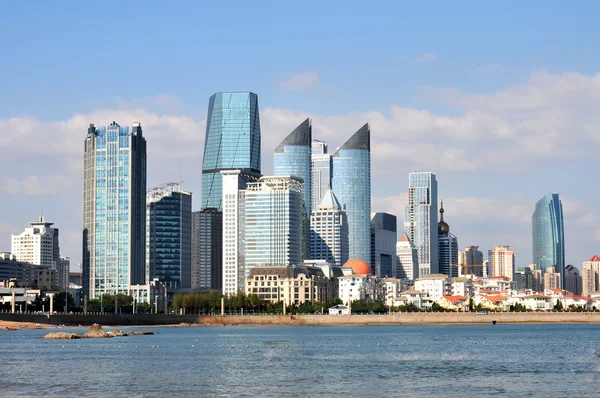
407 361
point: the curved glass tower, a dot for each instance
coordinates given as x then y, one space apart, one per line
232 141
548 237
351 183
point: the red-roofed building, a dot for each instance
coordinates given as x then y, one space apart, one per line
456 303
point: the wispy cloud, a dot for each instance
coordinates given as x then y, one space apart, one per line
300 82
425 58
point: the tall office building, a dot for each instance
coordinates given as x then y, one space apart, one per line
420 220
329 231
572 279
232 142
321 172
384 235
590 276
273 222
234 235
292 157
447 248
169 236
351 183
62 272
407 266
207 249
114 209
470 262
502 261
548 237
38 244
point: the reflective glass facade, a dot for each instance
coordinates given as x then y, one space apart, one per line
420 220
383 244
292 157
351 183
329 231
548 237
169 236
273 222
207 249
232 141
114 209
321 172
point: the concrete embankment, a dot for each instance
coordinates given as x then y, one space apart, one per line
415 318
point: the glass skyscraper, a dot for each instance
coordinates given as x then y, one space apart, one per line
351 183
447 248
207 249
169 236
321 172
420 220
114 209
273 221
232 141
548 237
292 157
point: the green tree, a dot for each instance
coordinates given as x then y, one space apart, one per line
558 306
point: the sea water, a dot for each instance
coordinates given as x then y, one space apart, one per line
307 361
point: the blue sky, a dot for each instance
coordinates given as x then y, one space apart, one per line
497 98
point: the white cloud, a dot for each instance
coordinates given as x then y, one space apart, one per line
425 58
300 82
35 186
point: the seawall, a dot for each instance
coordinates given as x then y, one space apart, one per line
415 318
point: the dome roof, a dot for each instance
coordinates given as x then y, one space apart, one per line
358 267
443 227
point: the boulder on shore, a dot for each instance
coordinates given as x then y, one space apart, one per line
62 336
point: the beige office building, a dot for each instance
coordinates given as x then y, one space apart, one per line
502 261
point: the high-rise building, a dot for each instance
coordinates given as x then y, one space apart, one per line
321 172
420 220
384 235
232 141
551 279
62 272
470 262
502 261
572 280
169 236
207 249
292 157
548 236
234 217
114 209
273 222
537 278
351 183
329 231
407 267
590 276
447 248
38 244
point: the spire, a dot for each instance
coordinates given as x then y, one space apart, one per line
443 227
442 211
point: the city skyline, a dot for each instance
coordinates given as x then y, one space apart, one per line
478 119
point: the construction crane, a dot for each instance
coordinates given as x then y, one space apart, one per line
464 267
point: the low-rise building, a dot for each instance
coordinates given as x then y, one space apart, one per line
338 310
415 297
393 287
435 285
291 284
455 303
462 286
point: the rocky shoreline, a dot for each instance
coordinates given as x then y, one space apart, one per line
94 332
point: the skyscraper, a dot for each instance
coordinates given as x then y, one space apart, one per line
420 220
114 209
329 231
572 279
232 141
207 249
502 261
292 157
169 236
234 228
447 248
590 275
407 267
470 262
38 244
548 235
273 222
351 183
384 234
321 172
62 274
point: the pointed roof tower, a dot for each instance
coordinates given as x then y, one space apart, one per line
301 136
360 140
404 238
329 200
443 227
